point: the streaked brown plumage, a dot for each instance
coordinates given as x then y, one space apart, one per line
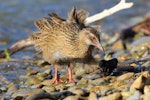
62 41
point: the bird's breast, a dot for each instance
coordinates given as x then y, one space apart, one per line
60 57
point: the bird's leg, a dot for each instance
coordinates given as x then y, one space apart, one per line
56 79
70 74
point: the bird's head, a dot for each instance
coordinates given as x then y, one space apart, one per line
90 37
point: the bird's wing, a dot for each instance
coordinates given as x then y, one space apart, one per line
78 16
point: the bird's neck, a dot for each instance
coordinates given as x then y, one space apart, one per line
82 48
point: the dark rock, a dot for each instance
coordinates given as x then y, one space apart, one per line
108 66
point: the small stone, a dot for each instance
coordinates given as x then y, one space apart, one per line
32 72
135 96
13 89
140 82
147 96
78 92
1 91
125 76
125 95
60 87
47 82
48 71
114 96
18 98
100 89
72 98
70 84
3 88
82 82
92 96
79 71
33 80
100 81
41 76
146 89
49 89
27 92
118 45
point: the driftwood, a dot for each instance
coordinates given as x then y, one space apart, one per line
17 47
27 42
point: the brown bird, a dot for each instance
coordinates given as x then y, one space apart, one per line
62 41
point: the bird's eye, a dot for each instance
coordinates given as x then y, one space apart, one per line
93 38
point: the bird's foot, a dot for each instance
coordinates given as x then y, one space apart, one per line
56 81
71 81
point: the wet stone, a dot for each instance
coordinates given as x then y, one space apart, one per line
47 82
102 90
140 82
91 76
114 96
146 89
92 96
125 95
1 91
32 80
135 96
146 96
79 71
78 92
72 98
13 89
41 76
49 89
48 71
82 82
3 88
32 72
118 45
100 81
27 92
125 76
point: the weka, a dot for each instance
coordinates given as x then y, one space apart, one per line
62 41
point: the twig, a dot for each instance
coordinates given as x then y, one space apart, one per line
107 12
17 47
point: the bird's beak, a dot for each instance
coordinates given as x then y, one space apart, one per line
99 46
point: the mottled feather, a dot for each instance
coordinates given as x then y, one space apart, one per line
59 39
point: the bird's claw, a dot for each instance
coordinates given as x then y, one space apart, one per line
56 81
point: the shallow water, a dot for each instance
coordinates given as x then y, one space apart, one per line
17 18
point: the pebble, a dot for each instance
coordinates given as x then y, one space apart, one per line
100 81
32 80
27 92
146 89
140 82
78 92
47 82
32 72
72 98
41 76
82 82
147 96
114 96
13 89
125 76
135 96
49 89
79 71
118 45
92 96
